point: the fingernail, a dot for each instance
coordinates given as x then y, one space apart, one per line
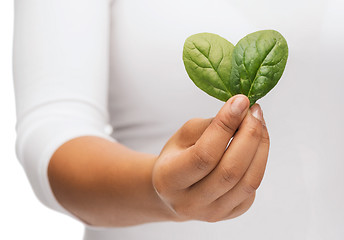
257 112
239 105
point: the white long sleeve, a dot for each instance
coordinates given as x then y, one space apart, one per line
61 80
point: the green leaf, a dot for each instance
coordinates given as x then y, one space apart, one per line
258 62
207 60
253 67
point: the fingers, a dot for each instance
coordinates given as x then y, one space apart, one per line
191 131
235 161
216 185
251 180
215 138
242 207
198 160
187 135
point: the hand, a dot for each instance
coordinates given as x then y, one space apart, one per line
199 178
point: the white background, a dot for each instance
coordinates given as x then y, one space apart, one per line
306 166
22 215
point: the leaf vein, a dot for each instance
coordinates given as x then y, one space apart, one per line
255 78
211 64
209 82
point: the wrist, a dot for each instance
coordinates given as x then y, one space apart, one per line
106 184
164 207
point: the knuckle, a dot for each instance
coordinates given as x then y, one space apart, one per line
231 175
186 130
226 125
212 219
255 130
265 139
202 158
191 131
210 216
193 124
247 203
183 210
242 207
189 125
251 185
214 214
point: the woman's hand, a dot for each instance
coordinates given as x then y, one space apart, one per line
197 177
104 183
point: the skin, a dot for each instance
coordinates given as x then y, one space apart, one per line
106 184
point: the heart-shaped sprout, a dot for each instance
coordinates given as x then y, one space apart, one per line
253 67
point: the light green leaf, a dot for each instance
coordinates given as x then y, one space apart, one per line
207 59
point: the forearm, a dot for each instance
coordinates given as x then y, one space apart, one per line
105 184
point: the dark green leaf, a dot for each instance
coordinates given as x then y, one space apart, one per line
258 62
